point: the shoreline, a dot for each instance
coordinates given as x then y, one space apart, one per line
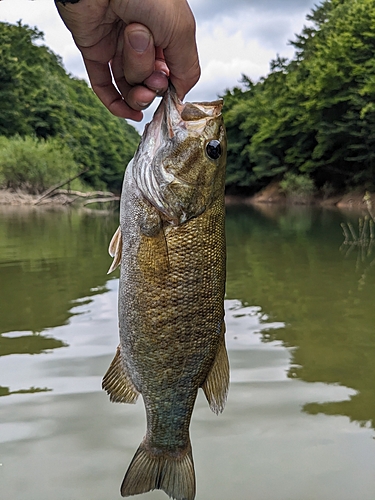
55 198
356 200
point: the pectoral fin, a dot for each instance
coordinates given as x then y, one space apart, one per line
117 382
115 250
216 385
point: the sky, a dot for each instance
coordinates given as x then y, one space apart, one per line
233 37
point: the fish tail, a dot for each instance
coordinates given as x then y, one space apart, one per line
156 470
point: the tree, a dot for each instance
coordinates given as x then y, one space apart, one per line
314 114
38 98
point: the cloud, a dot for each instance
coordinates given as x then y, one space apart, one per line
225 54
271 29
207 10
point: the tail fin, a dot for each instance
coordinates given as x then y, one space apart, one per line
173 474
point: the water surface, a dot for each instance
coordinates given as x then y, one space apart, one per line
300 418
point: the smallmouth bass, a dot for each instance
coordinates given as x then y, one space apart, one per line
171 246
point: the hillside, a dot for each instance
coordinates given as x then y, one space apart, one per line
311 121
51 124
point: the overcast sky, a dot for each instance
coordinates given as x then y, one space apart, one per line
234 37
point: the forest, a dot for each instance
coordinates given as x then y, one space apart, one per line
309 124
52 126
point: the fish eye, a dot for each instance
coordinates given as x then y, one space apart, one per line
213 149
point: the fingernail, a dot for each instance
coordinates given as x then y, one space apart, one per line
139 40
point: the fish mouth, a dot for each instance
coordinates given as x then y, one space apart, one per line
191 116
173 116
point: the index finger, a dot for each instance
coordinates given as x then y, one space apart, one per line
181 57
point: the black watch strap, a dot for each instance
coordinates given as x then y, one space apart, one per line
66 1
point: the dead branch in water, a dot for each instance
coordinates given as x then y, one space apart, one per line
73 195
366 228
80 194
50 190
101 200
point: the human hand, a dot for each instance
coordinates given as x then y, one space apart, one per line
134 45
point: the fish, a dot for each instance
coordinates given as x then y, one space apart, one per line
171 248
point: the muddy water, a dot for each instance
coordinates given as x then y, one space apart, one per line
299 422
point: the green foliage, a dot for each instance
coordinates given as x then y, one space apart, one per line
38 98
314 114
297 185
34 165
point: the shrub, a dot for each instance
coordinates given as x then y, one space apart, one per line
34 165
297 186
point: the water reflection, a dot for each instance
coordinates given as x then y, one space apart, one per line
299 333
48 261
288 262
27 344
4 391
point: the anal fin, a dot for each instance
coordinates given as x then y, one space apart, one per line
117 383
115 250
216 385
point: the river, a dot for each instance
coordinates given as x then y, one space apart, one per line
300 311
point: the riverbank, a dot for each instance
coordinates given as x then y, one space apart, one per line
57 197
272 195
